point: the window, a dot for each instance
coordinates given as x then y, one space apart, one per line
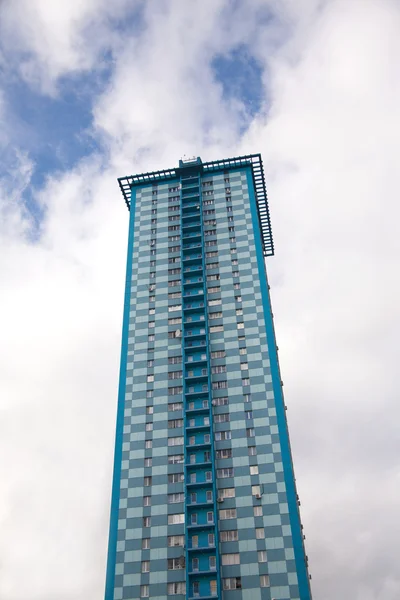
218 369
206 438
219 385
218 353
144 591
244 366
213 277
193 478
174 249
216 328
152 275
229 536
175 459
258 512
250 432
215 302
193 518
175 519
175 406
174 282
211 539
149 427
210 517
176 271
176 540
147 481
226 493
195 567
173 423
175 498
149 410
262 556
175 321
252 451
248 414
214 290
175 563
173 227
254 470
230 559
145 566
224 418
213 586
175 375
245 381
215 315
152 311
212 563
145 543
147 462
238 298
232 583
195 541
247 397
208 476
240 325
150 378
220 436
174 391
152 298
223 473
146 521
148 444
173 295
210 243
213 265
209 496
242 351
149 393
229 513
260 533
264 581
174 259
226 453
175 478
176 588
174 238
223 401
174 360
175 307
213 252
236 286
192 440
175 441
151 337
193 497
196 584
255 490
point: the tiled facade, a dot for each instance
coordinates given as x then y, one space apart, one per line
204 502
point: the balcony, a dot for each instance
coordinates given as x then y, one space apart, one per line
199 526
198 465
201 549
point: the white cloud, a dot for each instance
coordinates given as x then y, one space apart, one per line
330 146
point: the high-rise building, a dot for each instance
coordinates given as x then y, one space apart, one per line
204 501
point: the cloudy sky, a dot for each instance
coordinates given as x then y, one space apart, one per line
91 90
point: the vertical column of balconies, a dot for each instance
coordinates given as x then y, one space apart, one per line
201 517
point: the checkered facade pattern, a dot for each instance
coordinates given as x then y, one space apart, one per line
204 501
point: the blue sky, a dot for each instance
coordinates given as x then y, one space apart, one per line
91 91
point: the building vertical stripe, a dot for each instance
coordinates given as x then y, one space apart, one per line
298 546
113 533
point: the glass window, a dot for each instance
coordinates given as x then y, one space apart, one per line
264 581
230 559
260 533
144 591
262 556
145 543
258 511
145 566
254 470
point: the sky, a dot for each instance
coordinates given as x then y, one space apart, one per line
91 90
